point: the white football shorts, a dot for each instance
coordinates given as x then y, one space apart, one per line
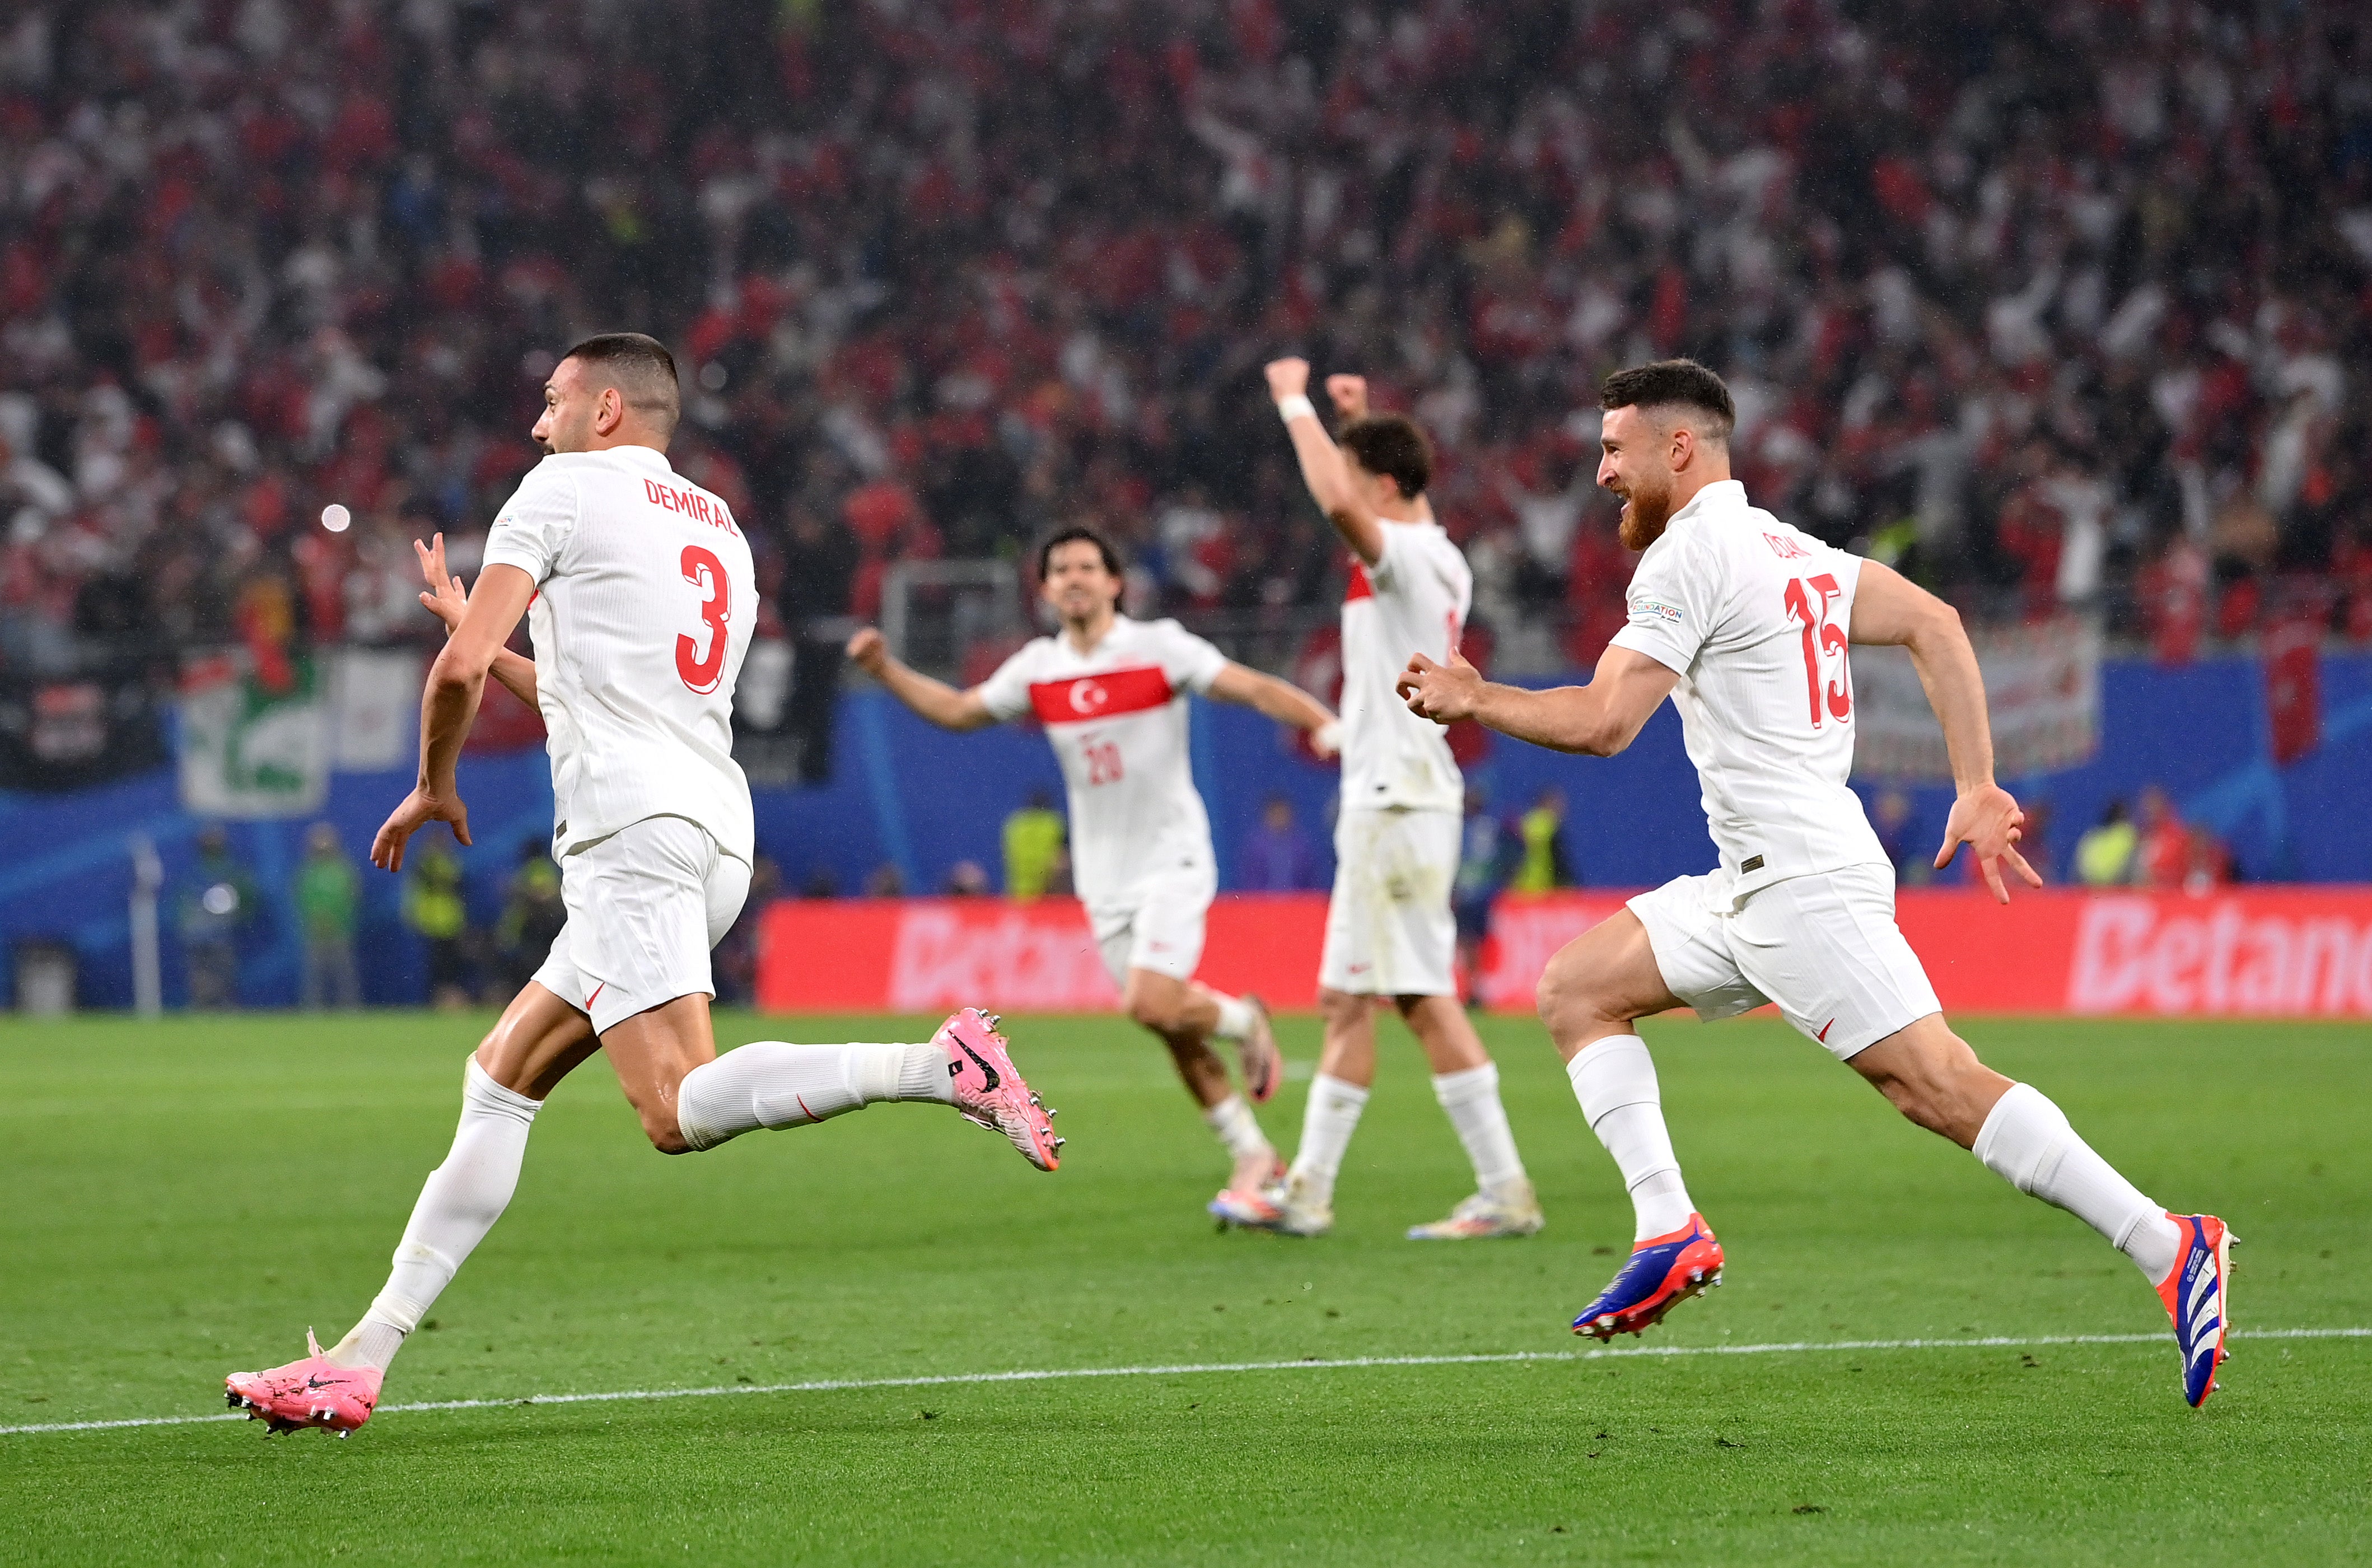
1388 928
644 904
1159 925
1824 947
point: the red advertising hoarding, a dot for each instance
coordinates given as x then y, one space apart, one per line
2266 952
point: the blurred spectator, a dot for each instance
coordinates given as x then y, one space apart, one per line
1482 864
1033 842
435 910
735 965
1890 816
821 883
2036 303
2208 865
2107 856
1277 855
531 917
967 880
2162 852
217 903
885 882
819 572
1541 866
328 900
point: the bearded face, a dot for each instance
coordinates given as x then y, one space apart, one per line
1646 508
1634 469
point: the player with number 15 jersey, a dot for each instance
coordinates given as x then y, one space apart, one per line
1747 624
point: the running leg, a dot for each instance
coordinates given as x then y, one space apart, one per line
1931 1075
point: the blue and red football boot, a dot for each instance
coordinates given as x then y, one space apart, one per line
1664 1270
2198 1297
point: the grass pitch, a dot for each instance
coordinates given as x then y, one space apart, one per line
184 1197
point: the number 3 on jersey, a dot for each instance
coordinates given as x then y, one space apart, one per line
1824 648
701 671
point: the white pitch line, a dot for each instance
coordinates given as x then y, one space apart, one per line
1311 1364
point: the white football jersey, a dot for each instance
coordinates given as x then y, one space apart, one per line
1117 718
1412 601
1754 615
644 604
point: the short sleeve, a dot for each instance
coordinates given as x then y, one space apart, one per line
535 524
1668 610
1395 559
1006 694
1188 660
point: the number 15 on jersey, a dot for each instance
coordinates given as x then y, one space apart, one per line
1824 647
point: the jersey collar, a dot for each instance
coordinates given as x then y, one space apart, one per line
1722 495
636 456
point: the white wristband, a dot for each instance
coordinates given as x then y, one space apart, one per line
1288 408
1326 740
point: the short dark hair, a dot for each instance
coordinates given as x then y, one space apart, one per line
1390 444
1079 533
1673 383
641 369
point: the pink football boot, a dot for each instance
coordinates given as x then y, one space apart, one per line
989 1089
311 1392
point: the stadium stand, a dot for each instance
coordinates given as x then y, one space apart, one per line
2056 301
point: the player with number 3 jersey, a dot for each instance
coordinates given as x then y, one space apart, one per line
1746 623
1111 693
639 596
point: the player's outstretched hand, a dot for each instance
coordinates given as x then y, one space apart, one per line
1288 379
419 809
1349 395
868 651
445 597
1442 692
1987 819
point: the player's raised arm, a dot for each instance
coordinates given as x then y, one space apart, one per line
1321 462
1597 720
1282 701
447 600
936 701
456 680
1890 610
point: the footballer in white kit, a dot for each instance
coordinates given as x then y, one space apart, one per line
1746 623
1391 934
1112 694
640 600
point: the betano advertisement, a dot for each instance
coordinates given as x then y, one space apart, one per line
2269 952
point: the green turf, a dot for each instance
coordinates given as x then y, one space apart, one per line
183 1199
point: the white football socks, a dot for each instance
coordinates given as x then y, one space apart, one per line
1326 1123
1614 1078
1236 1018
2026 1142
459 1203
770 1083
1472 1100
1236 1127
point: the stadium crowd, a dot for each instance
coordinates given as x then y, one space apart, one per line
2049 304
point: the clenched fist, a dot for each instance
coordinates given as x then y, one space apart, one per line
1442 692
1287 379
868 652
